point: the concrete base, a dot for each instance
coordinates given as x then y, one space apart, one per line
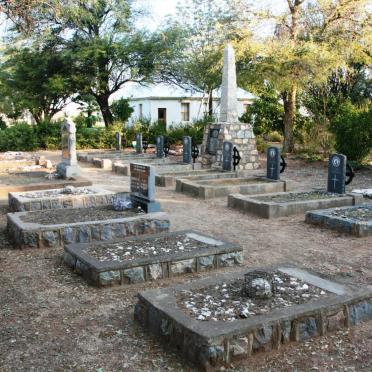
270 209
68 171
149 206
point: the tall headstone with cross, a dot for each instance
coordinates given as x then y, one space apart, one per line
68 167
139 143
160 147
337 173
142 187
228 128
273 163
118 141
187 145
227 156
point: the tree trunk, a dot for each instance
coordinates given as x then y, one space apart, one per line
103 103
210 103
289 100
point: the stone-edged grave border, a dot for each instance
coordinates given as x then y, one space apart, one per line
324 218
39 185
270 209
212 344
202 190
219 254
168 179
34 235
161 165
18 202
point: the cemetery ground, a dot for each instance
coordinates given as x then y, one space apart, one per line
52 320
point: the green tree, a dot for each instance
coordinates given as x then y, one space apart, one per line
121 110
106 50
203 28
311 40
37 80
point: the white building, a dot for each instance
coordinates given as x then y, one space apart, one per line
174 106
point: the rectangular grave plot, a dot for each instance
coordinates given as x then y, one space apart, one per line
351 220
59 198
211 344
84 225
282 204
220 187
146 258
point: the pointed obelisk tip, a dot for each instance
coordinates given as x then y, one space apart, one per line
229 101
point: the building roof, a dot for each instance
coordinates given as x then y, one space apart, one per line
164 91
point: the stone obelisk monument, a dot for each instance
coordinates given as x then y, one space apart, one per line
228 128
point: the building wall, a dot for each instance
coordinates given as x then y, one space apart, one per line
150 108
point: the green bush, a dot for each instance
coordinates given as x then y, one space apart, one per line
353 131
48 134
19 137
275 137
261 144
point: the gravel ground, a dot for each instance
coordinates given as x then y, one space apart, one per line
52 321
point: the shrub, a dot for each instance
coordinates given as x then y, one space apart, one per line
353 131
261 144
19 137
48 134
275 137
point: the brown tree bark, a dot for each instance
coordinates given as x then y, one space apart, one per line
210 103
289 101
103 103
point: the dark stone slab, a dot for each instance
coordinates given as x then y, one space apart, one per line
187 145
212 344
227 156
337 173
273 163
213 141
118 141
160 146
139 143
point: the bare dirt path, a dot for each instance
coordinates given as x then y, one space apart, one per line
51 320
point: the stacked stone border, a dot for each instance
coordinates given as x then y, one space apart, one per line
219 254
19 203
347 225
46 185
205 191
265 209
34 235
211 345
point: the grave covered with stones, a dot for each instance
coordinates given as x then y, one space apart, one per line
283 204
67 197
214 321
355 220
151 257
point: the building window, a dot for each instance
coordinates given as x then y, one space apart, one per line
185 111
245 107
162 116
140 111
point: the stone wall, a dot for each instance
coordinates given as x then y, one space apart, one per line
242 137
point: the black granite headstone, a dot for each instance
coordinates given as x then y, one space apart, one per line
227 156
160 147
213 141
337 173
139 143
273 163
118 141
187 144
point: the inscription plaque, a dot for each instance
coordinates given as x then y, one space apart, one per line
213 141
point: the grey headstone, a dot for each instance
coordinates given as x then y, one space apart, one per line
139 143
160 146
337 174
69 166
213 141
118 141
187 144
273 163
227 156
